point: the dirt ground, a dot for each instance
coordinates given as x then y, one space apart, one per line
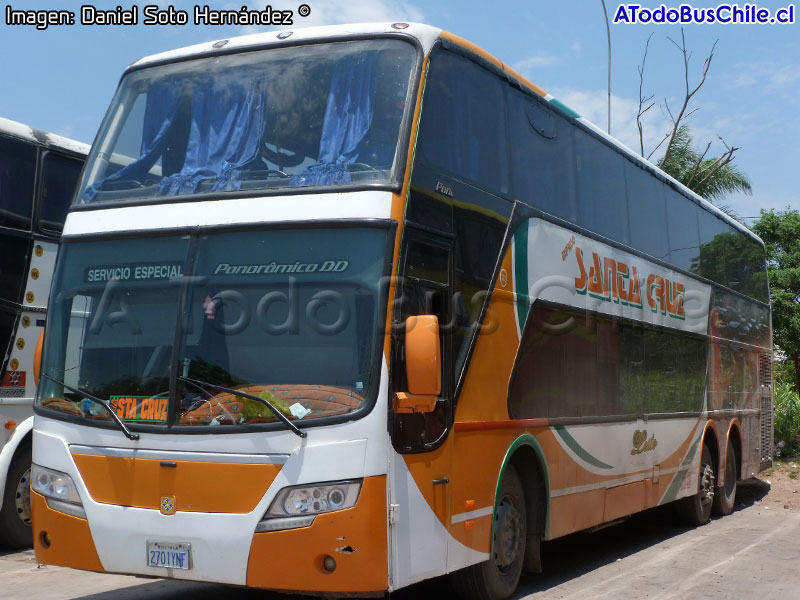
784 486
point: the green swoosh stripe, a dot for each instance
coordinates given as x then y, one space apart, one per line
582 453
520 259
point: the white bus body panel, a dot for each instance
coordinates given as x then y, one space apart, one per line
220 541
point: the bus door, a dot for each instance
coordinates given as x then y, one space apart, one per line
420 469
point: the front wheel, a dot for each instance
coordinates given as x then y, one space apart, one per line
726 494
697 508
15 516
497 578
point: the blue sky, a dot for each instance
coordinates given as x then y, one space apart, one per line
62 79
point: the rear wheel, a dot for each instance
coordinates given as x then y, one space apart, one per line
15 516
497 578
726 494
697 509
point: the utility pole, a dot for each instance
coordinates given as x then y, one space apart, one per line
608 36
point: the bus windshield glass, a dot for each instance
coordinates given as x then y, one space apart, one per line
314 115
290 316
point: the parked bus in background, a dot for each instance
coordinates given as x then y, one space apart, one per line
38 175
341 309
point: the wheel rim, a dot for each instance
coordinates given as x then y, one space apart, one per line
508 534
730 473
22 498
707 485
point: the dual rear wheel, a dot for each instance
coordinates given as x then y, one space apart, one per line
698 508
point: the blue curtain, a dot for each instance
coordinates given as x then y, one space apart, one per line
163 101
348 117
225 127
225 134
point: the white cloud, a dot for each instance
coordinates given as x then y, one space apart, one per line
768 76
576 48
527 65
593 105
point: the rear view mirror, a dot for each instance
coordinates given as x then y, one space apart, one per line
423 366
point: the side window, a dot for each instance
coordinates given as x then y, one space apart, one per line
462 131
576 365
17 168
426 290
715 247
542 172
600 179
59 179
647 212
684 243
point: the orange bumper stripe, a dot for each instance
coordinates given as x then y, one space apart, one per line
196 486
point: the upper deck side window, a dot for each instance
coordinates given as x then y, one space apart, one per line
462 130
314 115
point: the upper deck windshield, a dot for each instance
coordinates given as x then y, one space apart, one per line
152 325
326 114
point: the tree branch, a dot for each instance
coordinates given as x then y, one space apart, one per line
688 93
642 99
697 166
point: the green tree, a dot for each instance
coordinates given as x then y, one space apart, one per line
712 178
781 234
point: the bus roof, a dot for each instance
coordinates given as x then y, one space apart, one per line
37 136
427 36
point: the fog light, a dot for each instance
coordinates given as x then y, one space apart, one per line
329 564
44 538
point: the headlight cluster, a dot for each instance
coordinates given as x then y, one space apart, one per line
297 506
59 490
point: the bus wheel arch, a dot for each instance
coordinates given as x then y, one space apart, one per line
528 460
696 509
523 479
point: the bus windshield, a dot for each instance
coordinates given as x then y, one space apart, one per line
290 316
313 115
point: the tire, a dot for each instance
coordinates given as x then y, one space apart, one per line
497 578
15 516
697 509
725 495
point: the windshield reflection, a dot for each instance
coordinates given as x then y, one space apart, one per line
288 317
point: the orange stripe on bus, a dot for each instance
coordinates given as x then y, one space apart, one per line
355 538
71 543
196 486
478 51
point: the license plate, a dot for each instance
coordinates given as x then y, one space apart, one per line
172 555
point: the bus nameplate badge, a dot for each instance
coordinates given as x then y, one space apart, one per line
167 505
171 555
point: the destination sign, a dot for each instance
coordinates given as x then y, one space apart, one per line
143 409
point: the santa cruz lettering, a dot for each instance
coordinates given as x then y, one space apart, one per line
614 281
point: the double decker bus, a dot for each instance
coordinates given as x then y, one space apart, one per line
38 175
341 309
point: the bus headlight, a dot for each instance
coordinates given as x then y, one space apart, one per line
59 490
298 505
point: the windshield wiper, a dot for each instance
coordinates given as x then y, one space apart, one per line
124 428
267 403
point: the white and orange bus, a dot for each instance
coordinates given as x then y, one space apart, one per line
38 175
341 309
